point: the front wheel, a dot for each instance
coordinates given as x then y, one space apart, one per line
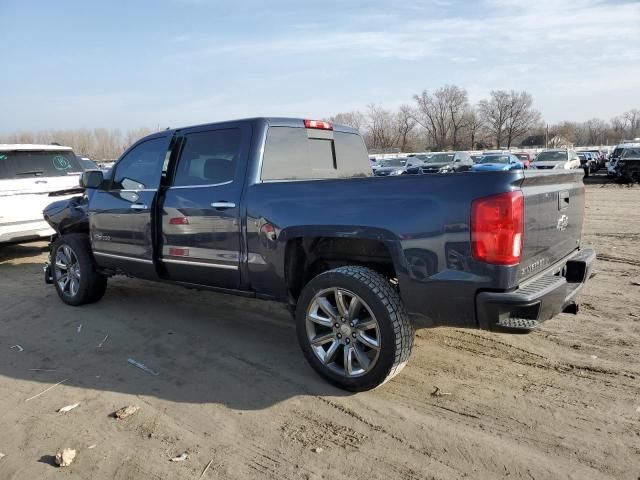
352 328
74 273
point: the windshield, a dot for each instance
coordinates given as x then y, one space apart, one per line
391 162
617 152
631 152
552 157
440 158
494 159
522 156
38 163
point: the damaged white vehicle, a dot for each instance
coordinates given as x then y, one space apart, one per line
28 174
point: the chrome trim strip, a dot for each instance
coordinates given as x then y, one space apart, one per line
177 187
199 264
122 257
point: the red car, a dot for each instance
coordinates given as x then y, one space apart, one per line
525 158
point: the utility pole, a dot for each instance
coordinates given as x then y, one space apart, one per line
546 140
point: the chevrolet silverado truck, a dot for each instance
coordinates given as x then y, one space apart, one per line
288 210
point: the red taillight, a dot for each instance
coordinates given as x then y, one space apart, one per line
179 221
497 226
319 124
178 252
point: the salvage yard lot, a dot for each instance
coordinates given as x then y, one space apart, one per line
233 387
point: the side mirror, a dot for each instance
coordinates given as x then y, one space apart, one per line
91 179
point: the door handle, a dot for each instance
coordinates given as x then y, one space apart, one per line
223 205
138 206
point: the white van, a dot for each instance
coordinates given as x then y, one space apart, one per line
27 174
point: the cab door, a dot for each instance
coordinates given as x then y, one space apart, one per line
201 226
121 219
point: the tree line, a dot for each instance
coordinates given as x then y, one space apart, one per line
445 119
97 143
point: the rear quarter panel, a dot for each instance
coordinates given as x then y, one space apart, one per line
423 221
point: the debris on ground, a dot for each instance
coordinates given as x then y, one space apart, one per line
65 457
638 409
439 393
91 447
636 281
102 342
125 412
142 366
18 347
317 450
206 468
520 375
45 391
3 455
79 328
180 458
593 357
68 408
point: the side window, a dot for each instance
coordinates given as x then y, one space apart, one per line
141 167
209 158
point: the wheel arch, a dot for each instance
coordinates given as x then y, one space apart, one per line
310 253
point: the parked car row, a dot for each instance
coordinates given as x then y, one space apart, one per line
499 160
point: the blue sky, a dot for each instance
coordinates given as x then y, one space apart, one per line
126 64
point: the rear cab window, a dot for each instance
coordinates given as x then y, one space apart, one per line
16 164
296 153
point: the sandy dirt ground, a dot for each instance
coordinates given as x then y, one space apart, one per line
233 391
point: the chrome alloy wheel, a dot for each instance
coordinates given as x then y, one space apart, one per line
343 332
67 270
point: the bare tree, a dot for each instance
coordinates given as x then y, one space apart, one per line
433 116
473 125
355 119
457 102
595 130
521 116
405 125
381 132
494 113
632 122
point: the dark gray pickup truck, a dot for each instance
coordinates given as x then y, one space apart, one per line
288 210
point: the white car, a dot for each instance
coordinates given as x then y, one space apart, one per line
28 173
557 160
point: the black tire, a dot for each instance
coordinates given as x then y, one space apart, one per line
395 329
92 285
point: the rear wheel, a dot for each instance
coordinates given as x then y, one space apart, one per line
352 328
74 273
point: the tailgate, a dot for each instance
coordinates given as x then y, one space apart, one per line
554 214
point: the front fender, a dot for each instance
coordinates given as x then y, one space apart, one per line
68 216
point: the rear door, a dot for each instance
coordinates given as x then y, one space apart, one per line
200 212
120 217
554 215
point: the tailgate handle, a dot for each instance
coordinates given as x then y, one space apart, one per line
563 200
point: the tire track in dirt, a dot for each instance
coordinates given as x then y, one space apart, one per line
610 258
